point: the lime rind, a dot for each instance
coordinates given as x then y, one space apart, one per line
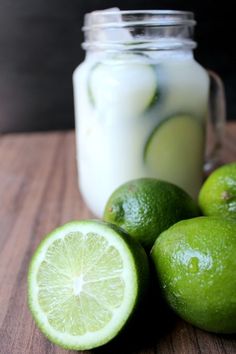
116 312
217 196
144 207
195 265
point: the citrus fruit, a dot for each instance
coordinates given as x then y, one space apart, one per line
195 262
218 193
145 207
85 280
174 152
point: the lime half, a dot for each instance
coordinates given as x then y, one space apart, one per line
84 282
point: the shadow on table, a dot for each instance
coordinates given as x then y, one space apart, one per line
152 320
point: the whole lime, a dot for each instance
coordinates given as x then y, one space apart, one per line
145 207
195 262
218 194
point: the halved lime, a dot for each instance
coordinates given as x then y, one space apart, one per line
174 152
126 83
84 282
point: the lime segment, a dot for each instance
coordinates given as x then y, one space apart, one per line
84 281
174 152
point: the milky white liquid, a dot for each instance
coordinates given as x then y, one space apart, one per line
120 102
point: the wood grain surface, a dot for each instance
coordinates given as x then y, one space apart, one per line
38 191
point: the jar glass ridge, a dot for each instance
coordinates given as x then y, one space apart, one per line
135 30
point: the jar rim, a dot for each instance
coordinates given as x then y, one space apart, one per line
137 30
103 18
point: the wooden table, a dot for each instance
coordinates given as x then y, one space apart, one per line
38 191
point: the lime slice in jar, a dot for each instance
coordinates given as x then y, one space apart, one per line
174 151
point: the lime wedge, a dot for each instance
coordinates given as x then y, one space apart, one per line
174 152
84 282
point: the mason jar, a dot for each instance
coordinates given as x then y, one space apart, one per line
142 103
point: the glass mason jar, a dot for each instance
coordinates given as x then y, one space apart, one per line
142 103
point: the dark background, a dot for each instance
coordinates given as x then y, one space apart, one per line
40 45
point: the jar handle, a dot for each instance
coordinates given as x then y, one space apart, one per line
216 121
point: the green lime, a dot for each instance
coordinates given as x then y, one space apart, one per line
217 196
145 207
85 280
195 262
174 152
